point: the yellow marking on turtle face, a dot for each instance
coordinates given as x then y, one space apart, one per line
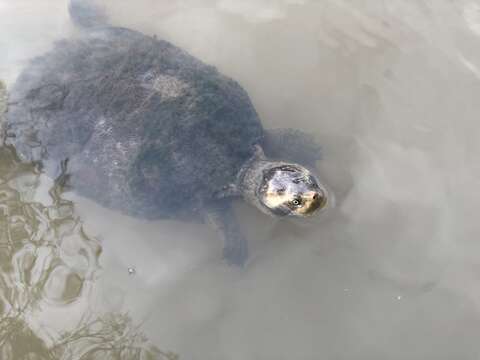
311 201
274 199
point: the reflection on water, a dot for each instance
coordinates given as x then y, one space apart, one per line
389 88
48 262
108 337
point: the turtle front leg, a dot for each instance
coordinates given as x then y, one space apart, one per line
221 217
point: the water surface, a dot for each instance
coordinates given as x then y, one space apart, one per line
390 89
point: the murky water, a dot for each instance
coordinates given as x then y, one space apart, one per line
390 89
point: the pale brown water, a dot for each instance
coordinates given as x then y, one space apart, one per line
391 91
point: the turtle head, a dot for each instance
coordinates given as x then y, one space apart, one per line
291 190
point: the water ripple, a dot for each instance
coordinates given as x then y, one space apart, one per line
49 263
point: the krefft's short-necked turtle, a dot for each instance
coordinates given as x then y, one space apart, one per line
149 130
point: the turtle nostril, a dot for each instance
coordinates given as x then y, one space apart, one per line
315 197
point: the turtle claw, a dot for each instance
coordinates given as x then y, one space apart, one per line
236 253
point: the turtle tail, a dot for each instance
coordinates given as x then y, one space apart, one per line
87 14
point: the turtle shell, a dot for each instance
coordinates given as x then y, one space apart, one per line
146 128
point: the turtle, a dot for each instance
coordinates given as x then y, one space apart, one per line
142 127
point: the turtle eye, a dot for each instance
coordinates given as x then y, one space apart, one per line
296 202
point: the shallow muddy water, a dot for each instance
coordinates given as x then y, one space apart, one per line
390 90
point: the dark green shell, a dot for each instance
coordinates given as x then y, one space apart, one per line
147 128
